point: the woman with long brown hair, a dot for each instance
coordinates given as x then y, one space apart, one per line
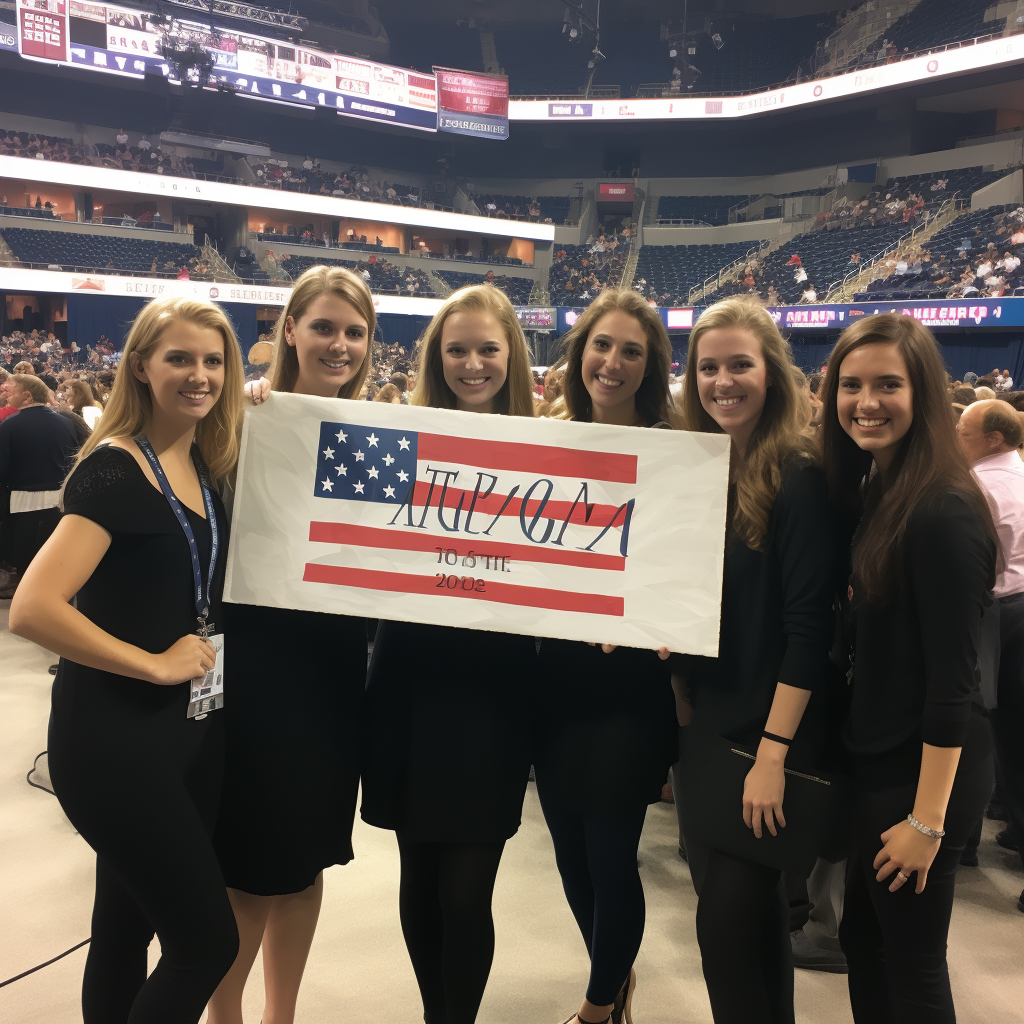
447 743
135 760
81 400
777 628
606 722
923 563
275 837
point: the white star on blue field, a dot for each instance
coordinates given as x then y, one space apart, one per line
363 464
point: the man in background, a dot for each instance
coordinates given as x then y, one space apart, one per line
991 432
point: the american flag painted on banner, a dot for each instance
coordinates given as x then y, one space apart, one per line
518 504
512 524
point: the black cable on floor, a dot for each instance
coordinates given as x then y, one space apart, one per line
39 967
35 785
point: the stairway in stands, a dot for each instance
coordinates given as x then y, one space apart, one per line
948 212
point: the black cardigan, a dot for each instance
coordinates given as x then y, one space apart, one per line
778 619
915 662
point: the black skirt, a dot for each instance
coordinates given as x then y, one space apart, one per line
293 698
608 732
447 739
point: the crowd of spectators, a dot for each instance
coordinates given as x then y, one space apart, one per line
518 289
580 273
383 277
42 147
977 255
542 209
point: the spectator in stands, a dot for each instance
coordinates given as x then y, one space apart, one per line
36 450
809 294
389 394
79 398
401 382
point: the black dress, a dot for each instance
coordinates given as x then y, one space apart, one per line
607 726
292 768
137 777
447 739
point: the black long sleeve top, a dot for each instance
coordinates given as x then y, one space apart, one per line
915 676
36 450
778 618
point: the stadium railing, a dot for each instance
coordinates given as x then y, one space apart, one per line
664 89
712 283
949 209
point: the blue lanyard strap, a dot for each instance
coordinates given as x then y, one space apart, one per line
202 599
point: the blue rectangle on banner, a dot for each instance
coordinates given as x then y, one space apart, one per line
570 110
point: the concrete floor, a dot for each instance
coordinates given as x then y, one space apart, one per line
358 968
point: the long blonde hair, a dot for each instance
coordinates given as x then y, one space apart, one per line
130 405
317 281
516 395
781 433
653 400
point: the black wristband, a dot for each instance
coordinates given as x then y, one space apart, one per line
776 739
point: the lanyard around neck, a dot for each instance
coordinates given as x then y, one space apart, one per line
202 597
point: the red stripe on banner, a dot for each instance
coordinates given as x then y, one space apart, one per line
539 459
601 515
499 593
399 540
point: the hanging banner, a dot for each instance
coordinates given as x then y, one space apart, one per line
472 103
540 527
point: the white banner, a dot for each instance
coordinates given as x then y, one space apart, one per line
540 527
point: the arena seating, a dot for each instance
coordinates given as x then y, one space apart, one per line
937 22
825 256
97 252
891 202
384 276
550 208
516 288
495 258
673 270
44 147
577 274
958 246
705 209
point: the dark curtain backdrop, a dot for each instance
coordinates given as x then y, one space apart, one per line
243 319
395 328
89 316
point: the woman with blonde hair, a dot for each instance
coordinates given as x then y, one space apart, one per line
607 732
275 837
777 628
447 741
146 567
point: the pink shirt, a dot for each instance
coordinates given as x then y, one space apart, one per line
1001 478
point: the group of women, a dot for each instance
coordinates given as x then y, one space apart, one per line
857 570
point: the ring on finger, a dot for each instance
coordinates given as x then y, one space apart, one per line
902 877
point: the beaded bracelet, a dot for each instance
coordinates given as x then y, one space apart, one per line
931 833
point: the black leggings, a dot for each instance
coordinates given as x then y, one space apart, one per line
596 857
445 906
743 933
895 942
143 792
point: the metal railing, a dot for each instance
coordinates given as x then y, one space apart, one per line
715 281
948 210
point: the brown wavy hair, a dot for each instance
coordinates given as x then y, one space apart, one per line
929 461
653 399
781 434
516 395
317 281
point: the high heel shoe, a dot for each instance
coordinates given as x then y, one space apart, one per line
622 1011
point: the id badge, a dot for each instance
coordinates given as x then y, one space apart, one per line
207 692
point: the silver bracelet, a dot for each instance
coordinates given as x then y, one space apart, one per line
931 833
